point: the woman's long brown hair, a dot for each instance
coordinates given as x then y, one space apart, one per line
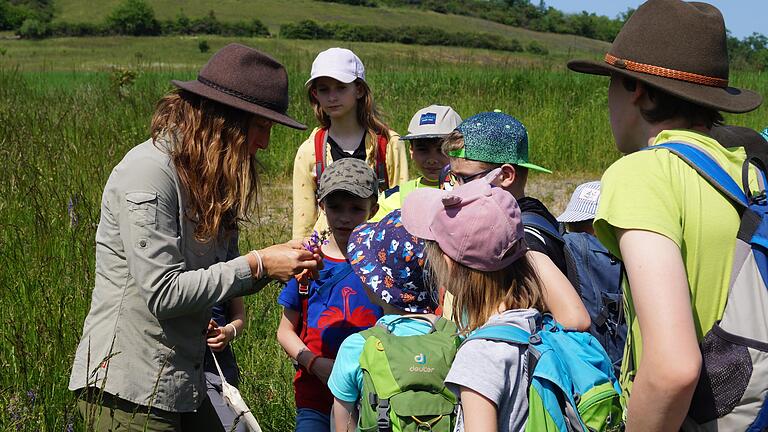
209 149
478 294
368 116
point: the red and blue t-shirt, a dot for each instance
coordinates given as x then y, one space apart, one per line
334 307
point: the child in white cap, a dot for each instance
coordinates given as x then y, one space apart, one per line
426 131
595 272
350 126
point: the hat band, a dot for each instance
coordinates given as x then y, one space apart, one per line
665 72
243 96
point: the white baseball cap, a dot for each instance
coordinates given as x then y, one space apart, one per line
338 63
583 203
434 121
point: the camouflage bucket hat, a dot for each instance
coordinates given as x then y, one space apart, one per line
348 175
495 137
390 262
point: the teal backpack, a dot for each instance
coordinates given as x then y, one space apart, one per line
571 386
403 379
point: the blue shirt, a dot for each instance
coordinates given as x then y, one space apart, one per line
346 381
336 306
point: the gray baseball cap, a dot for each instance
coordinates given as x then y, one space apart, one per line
348 175
434 121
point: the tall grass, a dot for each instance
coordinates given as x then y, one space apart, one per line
62 131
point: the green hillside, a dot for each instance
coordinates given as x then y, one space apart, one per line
273 13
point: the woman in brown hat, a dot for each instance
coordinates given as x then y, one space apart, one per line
675 232
167 247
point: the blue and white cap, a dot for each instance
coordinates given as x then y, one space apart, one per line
764 133
583 203
434 121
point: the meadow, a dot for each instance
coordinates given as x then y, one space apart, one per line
70 109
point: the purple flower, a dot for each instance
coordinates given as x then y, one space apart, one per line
317 239
71 211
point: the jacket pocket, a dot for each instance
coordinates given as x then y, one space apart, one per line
142 208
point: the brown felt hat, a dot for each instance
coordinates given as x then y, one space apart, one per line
246 79
680 48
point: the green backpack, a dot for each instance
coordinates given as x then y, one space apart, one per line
403 378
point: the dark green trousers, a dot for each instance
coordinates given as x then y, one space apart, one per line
107 413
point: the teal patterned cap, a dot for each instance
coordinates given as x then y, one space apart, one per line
764 133
495 137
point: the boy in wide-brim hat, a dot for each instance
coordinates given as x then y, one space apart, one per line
669 82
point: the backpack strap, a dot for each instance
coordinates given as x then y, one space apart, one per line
515 335
321 141
381 162
321 145
501 333
539 222
709 170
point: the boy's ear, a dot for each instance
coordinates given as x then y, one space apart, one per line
374 209
507 176
642 98
321 204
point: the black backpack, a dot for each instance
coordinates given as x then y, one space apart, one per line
596 276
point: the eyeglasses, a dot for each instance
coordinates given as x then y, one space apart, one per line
457 180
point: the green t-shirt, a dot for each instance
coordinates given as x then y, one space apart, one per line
393 198
657 191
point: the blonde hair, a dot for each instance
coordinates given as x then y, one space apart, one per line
368 116
478 294
209 150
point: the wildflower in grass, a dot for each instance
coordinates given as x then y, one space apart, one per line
71 211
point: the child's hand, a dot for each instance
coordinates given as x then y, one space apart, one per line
322 368
218 337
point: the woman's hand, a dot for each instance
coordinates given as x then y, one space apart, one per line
218 337
283 261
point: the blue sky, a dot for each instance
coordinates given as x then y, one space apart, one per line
742 17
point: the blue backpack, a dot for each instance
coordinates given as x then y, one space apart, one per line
733 386
596 275
571 386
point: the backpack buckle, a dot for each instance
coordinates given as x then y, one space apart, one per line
382 415
303 289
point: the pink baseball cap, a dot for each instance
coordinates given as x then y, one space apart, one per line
476 224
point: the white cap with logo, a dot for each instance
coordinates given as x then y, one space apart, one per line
338 63
434 121
583 204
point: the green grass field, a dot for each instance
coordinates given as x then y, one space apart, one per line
275 12
64 125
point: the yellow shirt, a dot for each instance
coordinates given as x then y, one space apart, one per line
659 192
392 199
306 213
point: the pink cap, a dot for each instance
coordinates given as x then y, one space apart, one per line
476 224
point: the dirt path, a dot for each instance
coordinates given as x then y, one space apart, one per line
554 190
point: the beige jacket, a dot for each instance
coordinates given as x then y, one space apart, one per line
144 336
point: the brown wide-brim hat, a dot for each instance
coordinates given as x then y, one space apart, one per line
680 48
246 79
